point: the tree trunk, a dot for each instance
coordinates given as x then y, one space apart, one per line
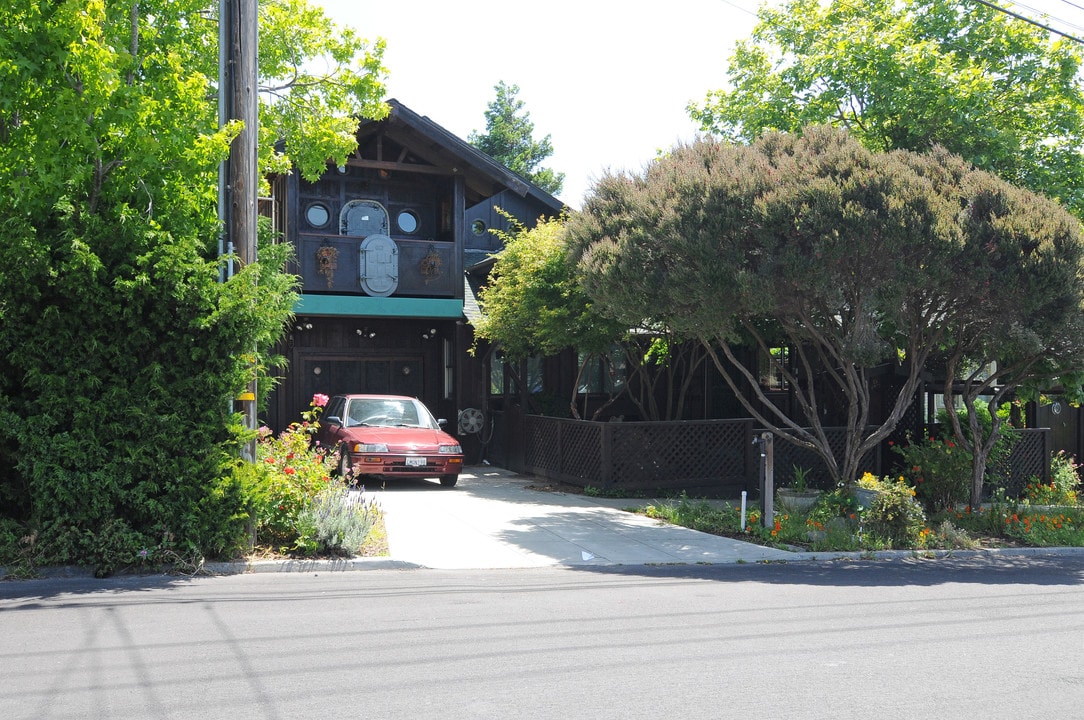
978 476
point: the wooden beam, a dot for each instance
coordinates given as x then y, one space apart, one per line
399 167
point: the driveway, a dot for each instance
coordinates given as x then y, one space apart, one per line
492 520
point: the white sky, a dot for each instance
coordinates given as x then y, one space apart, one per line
608 80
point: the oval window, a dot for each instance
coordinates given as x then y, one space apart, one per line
478 227
407 221
317 215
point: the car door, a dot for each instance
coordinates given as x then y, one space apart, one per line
331 422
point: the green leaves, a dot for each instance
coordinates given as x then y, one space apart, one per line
533 303
996 91
317 79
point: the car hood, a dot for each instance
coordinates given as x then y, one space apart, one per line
402 439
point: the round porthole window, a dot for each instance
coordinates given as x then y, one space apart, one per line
317 215
478 227
407 221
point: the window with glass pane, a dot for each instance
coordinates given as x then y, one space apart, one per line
603 374
496 375
771 368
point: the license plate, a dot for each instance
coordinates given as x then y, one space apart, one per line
415 462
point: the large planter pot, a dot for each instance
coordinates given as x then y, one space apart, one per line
797 500
864 496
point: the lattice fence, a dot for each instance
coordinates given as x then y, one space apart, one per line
564 449
702 456
679 454
654 455
789 456
1030 458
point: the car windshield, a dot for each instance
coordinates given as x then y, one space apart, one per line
387 412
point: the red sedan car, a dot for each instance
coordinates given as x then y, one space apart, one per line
388 436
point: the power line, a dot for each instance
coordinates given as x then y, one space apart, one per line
1028 20
1047 16
739 7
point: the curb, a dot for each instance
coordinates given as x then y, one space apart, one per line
246 567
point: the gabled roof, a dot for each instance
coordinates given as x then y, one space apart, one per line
405 140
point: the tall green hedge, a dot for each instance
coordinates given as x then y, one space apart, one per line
118 369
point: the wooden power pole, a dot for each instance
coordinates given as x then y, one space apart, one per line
238 180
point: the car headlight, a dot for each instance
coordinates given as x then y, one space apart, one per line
450 449
370 448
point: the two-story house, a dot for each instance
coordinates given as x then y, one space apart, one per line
385 248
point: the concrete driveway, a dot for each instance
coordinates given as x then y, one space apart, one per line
492 520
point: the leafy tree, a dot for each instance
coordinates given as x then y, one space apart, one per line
911 75
509 139
120 350
316 79
849 257
533 305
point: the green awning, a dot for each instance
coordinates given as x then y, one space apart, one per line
391 307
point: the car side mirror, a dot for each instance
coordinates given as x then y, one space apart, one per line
334 419
442 421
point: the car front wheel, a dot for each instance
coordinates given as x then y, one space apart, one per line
344 464
449 480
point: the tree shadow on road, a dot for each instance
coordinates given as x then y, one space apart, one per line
976 568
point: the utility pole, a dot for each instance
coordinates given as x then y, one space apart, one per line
238 180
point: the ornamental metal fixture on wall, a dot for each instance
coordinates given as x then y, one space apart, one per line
327 260
430 266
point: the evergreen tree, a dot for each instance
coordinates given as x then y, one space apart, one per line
509 139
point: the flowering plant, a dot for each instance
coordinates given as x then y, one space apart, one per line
894 515
938 470
1064 481
869 481
287 474
310 419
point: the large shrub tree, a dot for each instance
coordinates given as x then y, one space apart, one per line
1023 328
852 258
1003 94
120 351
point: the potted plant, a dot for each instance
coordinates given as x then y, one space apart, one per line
798 496
866 489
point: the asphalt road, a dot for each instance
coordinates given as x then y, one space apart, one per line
982 637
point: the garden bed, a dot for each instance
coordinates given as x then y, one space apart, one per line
836 525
